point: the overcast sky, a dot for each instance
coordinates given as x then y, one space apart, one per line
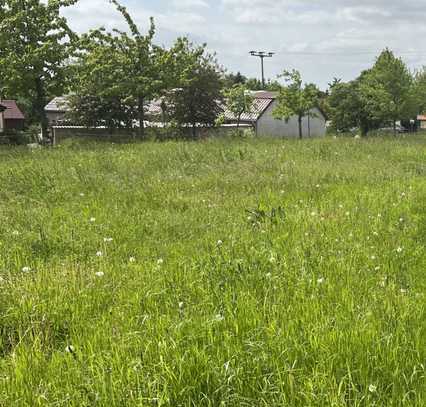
321 38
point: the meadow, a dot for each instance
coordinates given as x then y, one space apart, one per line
226 272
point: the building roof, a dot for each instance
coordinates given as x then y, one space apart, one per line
12 111
58 104
261 101
421 117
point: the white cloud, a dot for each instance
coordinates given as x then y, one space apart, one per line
323 39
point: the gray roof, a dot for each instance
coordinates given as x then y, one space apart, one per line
58 104
261 102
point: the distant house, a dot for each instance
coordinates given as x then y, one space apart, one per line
56 110
422 121
11 117
261 118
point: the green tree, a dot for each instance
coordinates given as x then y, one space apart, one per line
296 99
238 101
419 91
101 95
35 44
198 98
362 103
391 75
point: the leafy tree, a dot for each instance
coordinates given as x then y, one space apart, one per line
35 43
359 103
295 99
391 75
198 98
238 101
256 85
122 72
101 94
419 90
231 79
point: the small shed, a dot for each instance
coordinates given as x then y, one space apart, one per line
56 110
11 117
261 118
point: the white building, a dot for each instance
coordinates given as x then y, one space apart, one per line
261 118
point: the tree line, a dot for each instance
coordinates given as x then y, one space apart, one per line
112 75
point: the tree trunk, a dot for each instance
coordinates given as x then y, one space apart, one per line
141 117
194 131
300 128
40 103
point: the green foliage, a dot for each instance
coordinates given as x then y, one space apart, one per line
238 101
198 98
35 43
420 90
118 73
319 303
296 99
380 95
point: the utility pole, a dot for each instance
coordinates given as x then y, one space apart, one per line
262 55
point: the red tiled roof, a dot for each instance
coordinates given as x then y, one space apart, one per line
12 111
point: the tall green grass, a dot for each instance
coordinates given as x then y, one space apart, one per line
219 273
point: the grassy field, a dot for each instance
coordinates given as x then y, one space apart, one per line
217 273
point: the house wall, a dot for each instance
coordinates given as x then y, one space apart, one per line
312 127
14 124
423 125
55 117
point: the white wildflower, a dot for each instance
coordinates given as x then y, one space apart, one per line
100 274
219 243
108 239
400 250
132 259
26 269
70 349
15 233
320 280
99 254
372 388
92 220
160 262
181 305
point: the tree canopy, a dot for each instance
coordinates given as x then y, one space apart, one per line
296 99
35 44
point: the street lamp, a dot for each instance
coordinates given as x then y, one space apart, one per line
262 55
